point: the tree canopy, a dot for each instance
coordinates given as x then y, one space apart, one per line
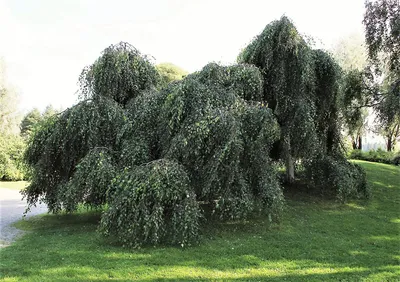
34 118
170 72
8 104
382 33
29 122
210 128
350 52
160 160
291 86
121 73
301 86
11 144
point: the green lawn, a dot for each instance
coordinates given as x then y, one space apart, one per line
318 240
14 185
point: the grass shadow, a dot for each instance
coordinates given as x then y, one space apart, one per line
318 240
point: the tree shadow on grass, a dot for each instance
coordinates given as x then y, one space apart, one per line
66 244
318 240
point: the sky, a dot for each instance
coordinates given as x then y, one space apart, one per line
46 43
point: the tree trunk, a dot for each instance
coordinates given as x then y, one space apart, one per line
354 144
289 163
359 142
391 136
389 144
330 140
396 135
289 169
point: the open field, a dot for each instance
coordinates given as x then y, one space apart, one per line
317 240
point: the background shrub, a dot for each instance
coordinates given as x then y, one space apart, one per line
396 159
378 156
11 152
338 176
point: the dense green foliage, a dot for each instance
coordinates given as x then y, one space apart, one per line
378 156
337 175
326 97
33 119
11 152
169 72
121 73
217 135
30 121
382 33
90 182
302 88
150 204
150 156
286 64
62 141
11 144
211 129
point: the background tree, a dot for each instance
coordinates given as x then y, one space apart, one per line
50 111
170 72
8 104
351 54
388 115
30 121
34 118
382 33
354 103
391 133
11 145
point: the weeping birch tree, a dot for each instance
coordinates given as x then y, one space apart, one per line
286 62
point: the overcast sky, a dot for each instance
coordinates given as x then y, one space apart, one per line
46 43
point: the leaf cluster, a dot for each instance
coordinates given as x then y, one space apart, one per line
63 141
151 204
217 134
11 157
338 176
302 87
121 73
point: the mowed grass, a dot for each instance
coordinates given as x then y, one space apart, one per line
14 185
317 240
